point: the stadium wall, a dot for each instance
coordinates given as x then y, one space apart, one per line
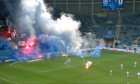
58 54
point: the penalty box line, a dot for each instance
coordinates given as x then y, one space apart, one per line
21 67
8 81
59 68
27 68
14 63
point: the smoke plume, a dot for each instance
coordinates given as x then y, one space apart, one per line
35 18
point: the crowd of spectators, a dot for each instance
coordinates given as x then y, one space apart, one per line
131 19
106 20
7 29
128 34
99 31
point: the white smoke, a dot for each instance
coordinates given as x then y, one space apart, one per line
35 17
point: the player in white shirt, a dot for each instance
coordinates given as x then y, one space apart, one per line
138 75
135 63
110 72
127 73
121 66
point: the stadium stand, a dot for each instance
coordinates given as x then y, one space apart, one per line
106 20
131 19
129 34
101 30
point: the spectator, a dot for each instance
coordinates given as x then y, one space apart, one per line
0 24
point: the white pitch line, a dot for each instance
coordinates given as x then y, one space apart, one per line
13 63
8 81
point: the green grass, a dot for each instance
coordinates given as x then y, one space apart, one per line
54 71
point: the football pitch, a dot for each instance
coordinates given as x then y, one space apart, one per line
54 71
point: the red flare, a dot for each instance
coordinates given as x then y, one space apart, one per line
87 67
9 32
31 44
27 47
40 56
